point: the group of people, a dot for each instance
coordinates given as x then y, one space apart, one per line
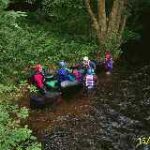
82 73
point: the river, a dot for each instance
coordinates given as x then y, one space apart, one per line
116 117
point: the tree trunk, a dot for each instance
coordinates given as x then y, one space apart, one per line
93 17
122 27
102 19
106 28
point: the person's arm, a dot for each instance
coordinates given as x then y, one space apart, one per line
93 65
69 70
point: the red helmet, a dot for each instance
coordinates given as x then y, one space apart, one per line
107 55
38 67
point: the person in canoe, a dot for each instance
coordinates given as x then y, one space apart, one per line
76 72
65 76
45 84
38 79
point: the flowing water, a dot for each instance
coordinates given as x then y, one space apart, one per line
116 117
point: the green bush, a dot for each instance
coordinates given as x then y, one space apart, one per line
23 45
113 45
67 16
12 135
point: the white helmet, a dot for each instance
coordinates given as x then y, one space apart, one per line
85 58
62 63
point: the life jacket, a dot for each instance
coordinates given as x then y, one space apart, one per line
38 79
51 81
109 64
63 75
77 74
89 81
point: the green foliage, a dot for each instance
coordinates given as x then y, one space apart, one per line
7 89
22 113
24 45
112 44
32 89
130 35
67 15
3 4
33 45
55 8
12 135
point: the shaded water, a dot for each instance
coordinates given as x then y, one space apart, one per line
113 119
44 120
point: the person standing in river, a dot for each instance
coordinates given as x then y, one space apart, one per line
108 62
88 64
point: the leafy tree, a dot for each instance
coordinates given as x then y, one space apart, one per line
109 22
108 19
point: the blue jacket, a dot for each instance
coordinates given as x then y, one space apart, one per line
64 74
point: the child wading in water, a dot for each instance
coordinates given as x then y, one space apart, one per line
108 62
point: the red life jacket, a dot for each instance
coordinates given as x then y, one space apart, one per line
38 80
